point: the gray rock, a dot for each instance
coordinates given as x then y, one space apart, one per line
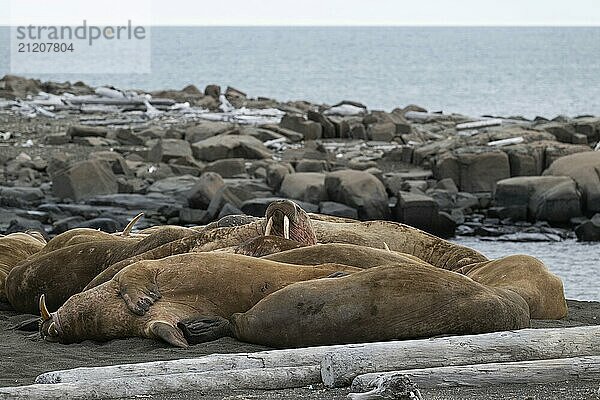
360 190
201 194
192 216
176 186
312 166
416 210
228 167
276 173
337 210
86 131
548 198
589 231
230 146
150 202
168 149
305 186
83 180
207 129
328 128
382 131
115 160
20 196
310 129
584 168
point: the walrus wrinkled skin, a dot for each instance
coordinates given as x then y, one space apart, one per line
149 298
310 230
341 253
66 271
527 276
403 301
283 218
15 249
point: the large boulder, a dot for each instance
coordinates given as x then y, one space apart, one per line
201 194
168 149
584 168
310 129
360 190
228 167
83 180
474 169
230 146
589 231
305 186
206 129
176 186
547 198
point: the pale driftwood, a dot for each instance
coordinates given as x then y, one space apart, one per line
479 124
479 375
506 142
215 362
258 378
341 363
339 368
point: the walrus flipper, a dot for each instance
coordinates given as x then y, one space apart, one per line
168 333
138 289
205 329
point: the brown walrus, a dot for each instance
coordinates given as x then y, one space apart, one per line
403 301
527 276
14 249
163 292
67 270
286 219
283 218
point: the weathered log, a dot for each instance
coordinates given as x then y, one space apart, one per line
339 368
479 375
479 124
252 379
341 363
214 362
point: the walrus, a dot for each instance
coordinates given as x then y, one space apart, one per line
14 249
84 235
149 298
348 254
283 218
527 276
67 270
403 301
286 219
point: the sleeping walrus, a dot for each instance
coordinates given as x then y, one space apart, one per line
15 248
402 301
149 298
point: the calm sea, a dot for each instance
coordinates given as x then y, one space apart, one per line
501 71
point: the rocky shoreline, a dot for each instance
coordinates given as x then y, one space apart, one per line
75 156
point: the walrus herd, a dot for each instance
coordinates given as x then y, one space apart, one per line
289 279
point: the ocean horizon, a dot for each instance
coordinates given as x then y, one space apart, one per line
504 71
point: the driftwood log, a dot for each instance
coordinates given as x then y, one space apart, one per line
250 379
479 375
339 368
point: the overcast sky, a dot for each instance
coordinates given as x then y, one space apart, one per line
313 12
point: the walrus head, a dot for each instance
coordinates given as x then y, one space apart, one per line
287 219
49 326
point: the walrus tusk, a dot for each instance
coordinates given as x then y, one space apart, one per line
385 246
286 227
131 224
269 226
43 309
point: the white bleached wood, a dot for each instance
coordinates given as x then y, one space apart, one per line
250 379
341 363
480 375
339 368
479 124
